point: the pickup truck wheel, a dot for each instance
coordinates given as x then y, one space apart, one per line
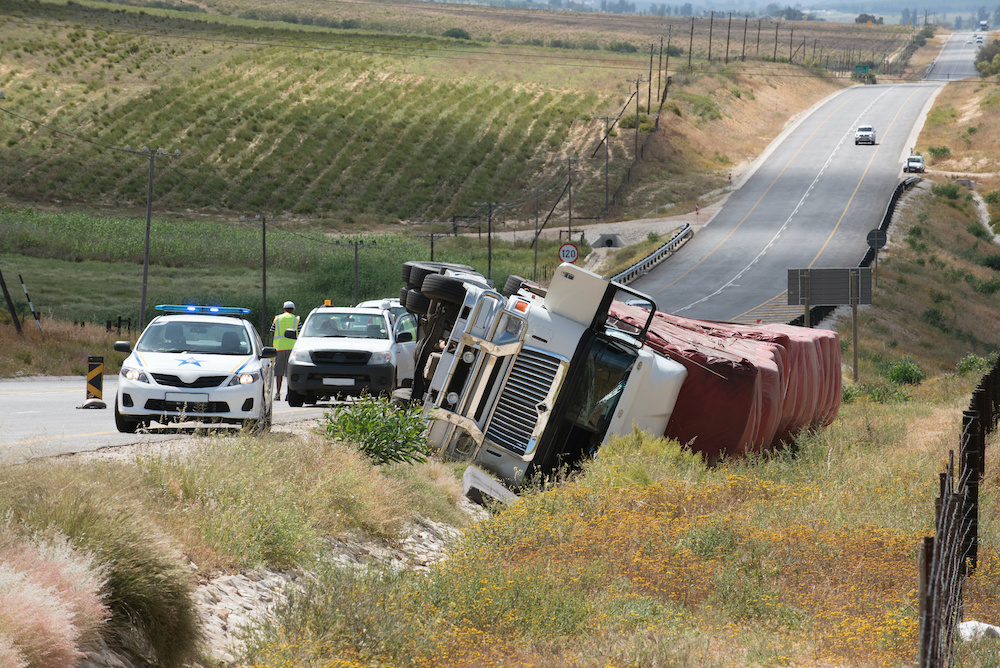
417 302
444 288
295 399
513 284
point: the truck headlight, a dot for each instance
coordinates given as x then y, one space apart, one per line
379 358
245 378
136 375
299 356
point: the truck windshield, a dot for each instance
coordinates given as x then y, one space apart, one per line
595 397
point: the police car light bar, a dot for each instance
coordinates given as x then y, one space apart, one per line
209 310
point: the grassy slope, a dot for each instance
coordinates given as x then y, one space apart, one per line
290 119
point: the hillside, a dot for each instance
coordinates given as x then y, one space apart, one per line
352 129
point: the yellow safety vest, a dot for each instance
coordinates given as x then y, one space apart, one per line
282 322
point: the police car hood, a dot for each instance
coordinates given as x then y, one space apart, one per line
189 366
311 343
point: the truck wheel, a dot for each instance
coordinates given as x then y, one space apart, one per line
444 288
295 399
417 302
513 284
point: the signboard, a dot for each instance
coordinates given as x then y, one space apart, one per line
861 69
830 287
876 239
569 253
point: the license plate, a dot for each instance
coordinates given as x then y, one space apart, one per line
343 382
186 398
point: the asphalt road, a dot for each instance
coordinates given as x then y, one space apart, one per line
957 59
40 418
809 204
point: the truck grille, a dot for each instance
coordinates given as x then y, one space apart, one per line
528 385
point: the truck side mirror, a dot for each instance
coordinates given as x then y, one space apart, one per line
291 334
404 337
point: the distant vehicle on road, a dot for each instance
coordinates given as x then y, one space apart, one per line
865 134
914 163
196 363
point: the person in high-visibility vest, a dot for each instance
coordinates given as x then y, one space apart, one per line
283 321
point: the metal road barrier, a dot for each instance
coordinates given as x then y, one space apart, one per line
647 263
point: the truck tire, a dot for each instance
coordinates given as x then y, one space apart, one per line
295 399
513 284
417 302
446 289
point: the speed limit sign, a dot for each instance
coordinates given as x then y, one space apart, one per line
568 253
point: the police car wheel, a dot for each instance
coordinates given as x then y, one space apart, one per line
126 425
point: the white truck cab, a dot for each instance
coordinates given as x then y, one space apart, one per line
534 382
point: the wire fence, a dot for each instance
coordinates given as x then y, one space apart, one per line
952 554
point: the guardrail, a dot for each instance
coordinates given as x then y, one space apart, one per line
644 265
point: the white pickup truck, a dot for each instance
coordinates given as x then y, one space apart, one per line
865 134
914 163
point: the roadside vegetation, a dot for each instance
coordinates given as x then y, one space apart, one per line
647 558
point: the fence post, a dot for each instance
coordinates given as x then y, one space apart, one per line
923 597
969 469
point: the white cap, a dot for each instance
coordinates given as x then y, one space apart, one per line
290 305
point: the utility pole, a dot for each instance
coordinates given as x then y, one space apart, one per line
649 88
729 29
690 43
152 155
743 54
659 67
711 23
607 162
774 58
489 235
569 162
263 275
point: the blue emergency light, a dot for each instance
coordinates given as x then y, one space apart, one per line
204 310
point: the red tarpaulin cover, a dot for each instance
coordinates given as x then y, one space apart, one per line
748 387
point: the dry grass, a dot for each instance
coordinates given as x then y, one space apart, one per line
965 120
58 349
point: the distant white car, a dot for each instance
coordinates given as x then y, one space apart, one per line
914 163
346 352
865 134
196 363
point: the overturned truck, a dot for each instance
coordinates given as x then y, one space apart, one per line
528 383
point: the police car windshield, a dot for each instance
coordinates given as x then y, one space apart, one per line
178 336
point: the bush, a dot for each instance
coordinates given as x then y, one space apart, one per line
380 430
939 151
975 364
456 33
622 47
949 191
992 197
905 371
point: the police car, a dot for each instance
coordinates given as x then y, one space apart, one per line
200 363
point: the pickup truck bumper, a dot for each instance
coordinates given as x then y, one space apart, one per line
330 380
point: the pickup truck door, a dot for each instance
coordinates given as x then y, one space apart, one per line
403 350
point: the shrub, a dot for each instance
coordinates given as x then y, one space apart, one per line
948 191
456 33
905 371
939 151
381 430
975 364
992 261
992 197
622 47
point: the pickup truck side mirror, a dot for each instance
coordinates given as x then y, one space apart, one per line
268 352
404 337
291 334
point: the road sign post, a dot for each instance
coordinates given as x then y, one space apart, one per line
569 253
832 287
876 240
